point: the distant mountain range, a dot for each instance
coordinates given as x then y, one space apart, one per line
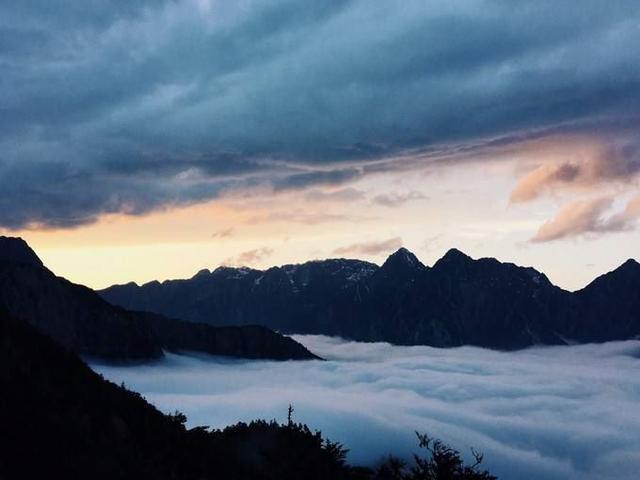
78 318
457 301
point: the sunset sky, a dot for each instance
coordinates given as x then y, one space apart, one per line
149 139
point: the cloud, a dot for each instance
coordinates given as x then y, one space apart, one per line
588 217
397 199
598 166
149 105
370 248
625 219
431 243
249 257
545 176
548 413
342 195
303 180
224 233
305 217
633 208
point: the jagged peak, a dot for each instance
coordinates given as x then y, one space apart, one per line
621 274
403 258
630 265
16 250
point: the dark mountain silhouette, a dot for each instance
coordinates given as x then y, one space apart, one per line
314 293
62 420
457 301
15 250
79 319
609 307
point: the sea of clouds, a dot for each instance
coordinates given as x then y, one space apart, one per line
541 413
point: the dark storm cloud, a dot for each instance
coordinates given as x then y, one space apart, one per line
303 180
112 107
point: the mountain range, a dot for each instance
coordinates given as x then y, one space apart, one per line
457 301
77 318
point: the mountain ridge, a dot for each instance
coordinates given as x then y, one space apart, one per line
203 272
16 250
457 301
79 319
61 419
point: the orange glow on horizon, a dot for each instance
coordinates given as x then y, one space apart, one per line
464 205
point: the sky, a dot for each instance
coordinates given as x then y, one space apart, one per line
149 139
545 413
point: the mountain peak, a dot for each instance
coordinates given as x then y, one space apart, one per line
16 250
454 257
455 254
630 267
625 277
205 272
403 259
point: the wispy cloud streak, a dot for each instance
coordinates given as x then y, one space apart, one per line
370 248
589 217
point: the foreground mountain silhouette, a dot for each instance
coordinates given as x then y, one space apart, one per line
458 301
62 420
77 318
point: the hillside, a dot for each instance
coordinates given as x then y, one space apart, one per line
79 319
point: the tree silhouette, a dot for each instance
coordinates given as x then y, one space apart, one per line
290 415
441 463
